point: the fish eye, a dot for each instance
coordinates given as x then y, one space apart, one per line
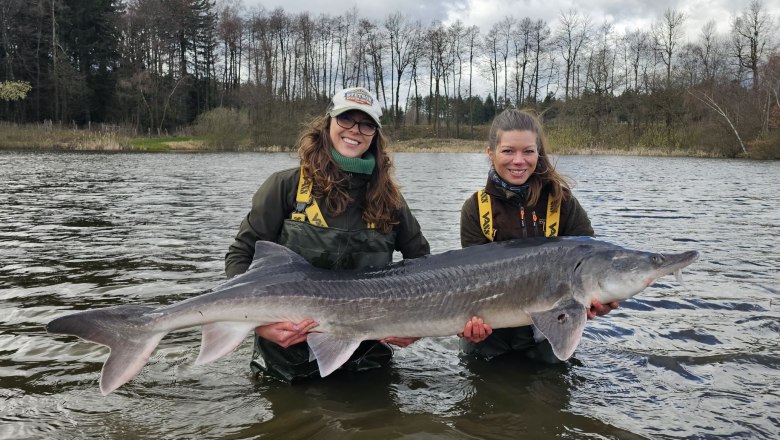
656 259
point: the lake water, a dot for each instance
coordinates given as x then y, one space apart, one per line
93 230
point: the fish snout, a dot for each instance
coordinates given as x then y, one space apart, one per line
672 263
689 257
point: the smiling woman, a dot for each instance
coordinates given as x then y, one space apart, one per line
524 198
340 209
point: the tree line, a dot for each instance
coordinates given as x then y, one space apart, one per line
157 65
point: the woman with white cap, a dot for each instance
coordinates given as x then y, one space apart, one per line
340 209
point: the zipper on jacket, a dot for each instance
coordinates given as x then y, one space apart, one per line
522 222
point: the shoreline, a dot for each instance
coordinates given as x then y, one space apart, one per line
424 145
561 140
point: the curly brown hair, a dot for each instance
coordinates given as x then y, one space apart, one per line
383 198
544 174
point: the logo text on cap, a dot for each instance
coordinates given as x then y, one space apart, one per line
359 98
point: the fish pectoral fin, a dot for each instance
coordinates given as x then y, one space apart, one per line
331 351
563 326
220 338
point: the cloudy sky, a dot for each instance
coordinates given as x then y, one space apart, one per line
624 14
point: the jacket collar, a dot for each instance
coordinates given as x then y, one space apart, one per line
504 194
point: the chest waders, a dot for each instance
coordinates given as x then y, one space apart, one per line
307 233
513 339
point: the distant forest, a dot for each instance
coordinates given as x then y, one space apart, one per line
154 66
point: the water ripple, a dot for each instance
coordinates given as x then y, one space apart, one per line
80 231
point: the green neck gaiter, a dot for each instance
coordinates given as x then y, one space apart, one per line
361 165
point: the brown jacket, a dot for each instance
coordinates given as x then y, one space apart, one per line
506 207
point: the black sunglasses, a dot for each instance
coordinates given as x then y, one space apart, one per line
365 127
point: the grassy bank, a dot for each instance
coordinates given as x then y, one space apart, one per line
561 140
52 137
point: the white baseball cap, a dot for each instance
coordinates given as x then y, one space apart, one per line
356 98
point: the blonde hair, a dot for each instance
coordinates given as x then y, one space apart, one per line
544 174
383 198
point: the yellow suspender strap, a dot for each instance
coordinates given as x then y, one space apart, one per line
305 203
485 215
553 217
302 198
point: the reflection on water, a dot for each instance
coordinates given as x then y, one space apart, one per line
92 230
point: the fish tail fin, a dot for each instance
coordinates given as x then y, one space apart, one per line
123 329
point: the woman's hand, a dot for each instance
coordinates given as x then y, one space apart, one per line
286 334
598 309
400 342
475 330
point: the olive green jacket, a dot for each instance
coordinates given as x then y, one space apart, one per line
274 202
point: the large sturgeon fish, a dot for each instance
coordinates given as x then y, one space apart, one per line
548 283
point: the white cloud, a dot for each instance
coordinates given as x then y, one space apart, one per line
623 14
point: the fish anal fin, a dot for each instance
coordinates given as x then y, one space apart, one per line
562 325
331 351
220 338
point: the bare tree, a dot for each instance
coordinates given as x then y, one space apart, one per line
573 34
8 9
439 64
522 56
505 30
473 44
263 48
306 72
689 65
601 62
404 37
771 80
376 50
458 37
540 36
750 38
668 33
638 46
230 32
458 33
599 78
490 45
710 51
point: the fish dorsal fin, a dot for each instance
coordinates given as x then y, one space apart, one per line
269 255
562 325
331 351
